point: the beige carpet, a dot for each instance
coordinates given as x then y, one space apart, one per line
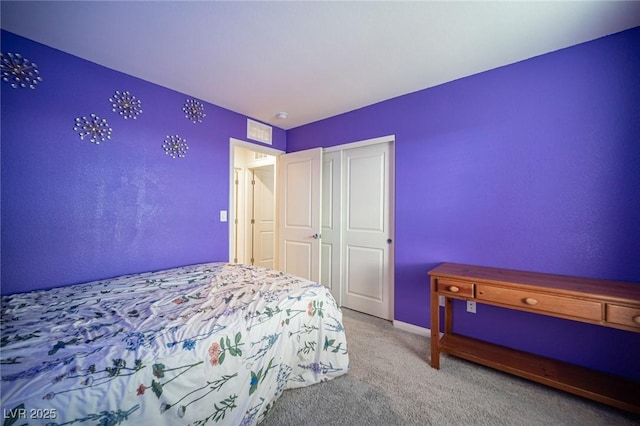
391 383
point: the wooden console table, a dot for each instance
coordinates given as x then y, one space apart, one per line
606 303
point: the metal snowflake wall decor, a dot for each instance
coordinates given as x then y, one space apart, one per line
19 71
125 104
194 110
95 128
175 146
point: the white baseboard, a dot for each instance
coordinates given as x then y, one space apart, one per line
405 326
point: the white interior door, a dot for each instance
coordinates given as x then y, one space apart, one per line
366 230
263 217
299 211
331 246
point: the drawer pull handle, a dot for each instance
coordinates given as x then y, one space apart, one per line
636 319
530 301
453 289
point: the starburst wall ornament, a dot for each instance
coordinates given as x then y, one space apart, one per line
125 104
95 128
194 110
19 71
175 146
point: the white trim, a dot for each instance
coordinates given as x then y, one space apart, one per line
416 329
251 146
381 139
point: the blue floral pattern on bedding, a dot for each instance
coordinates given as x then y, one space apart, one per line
213 343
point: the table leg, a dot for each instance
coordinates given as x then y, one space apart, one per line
435 326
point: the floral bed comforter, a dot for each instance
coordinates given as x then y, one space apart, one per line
205 344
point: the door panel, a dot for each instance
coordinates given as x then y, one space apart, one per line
366 200
298 258
366 232
299 187
364 272
299 206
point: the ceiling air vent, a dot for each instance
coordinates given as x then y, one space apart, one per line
258 131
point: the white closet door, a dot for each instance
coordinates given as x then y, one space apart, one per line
331 252
366 230
299 211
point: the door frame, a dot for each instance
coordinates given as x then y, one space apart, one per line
233 144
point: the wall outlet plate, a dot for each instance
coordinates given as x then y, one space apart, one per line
471 306
441 300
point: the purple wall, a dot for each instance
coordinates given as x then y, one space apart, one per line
532 166
73 211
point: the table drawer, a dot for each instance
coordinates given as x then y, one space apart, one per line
528 300
623 315
451 287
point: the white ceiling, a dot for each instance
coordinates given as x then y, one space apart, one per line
310 59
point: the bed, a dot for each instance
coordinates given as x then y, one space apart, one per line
213 343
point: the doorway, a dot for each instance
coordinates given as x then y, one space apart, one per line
252 196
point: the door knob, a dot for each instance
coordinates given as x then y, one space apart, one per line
389 240
315 236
